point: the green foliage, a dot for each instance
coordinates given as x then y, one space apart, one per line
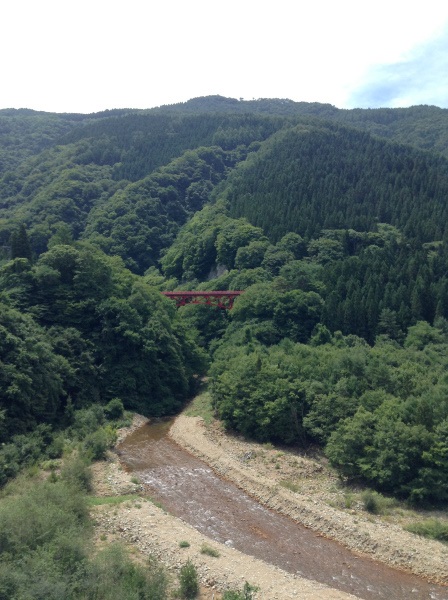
338 237
114 409
97 443
188 580
247 593
431 528
45 549
209 550
113 576
376 503
290 485
379 411
235 234
97 332
86 421
194 252
76 472
44 515
293 314
342 187
25 450
139 221
250 256
201 407
20 244
30 373
184 544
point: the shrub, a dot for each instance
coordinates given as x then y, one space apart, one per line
114 409
44 550
41 514
184 544
113 576
76 472
188 579
348 500
247 593
25 450
209 550
376 503
98 442
87 420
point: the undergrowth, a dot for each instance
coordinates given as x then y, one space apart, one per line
430 528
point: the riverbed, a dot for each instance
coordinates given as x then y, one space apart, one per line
189 489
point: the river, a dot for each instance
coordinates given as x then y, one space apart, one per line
187 488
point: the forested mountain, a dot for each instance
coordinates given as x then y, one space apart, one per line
334 222
424 127
25 132
307 179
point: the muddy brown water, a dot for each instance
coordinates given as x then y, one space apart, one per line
189 489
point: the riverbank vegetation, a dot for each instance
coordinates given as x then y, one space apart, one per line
46 549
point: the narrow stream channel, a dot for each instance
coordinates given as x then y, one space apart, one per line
189 489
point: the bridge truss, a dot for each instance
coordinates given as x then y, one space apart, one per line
218 299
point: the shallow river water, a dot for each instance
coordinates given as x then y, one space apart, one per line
189 489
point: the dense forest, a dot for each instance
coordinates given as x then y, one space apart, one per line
333 222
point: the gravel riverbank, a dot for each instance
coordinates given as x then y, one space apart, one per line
361 532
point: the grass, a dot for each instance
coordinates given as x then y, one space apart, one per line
156 503
348 500
99 500
201 406
184 544
431 528
290 485
209 550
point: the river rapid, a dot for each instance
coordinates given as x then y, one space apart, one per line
189 489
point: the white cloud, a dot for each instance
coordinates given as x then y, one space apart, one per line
416 79
87 56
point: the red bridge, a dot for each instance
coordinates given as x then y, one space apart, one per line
219 299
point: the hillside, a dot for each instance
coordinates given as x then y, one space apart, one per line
334 224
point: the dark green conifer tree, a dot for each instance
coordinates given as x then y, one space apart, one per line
20 244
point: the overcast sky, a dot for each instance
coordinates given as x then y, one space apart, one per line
90 55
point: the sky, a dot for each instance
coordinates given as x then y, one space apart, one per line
92 55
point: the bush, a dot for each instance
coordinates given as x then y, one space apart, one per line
87 420
376 503
41 514
206 549
247 593
25 450
184 544
114 409
188 579
113 576
97 443
76 472
44 550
